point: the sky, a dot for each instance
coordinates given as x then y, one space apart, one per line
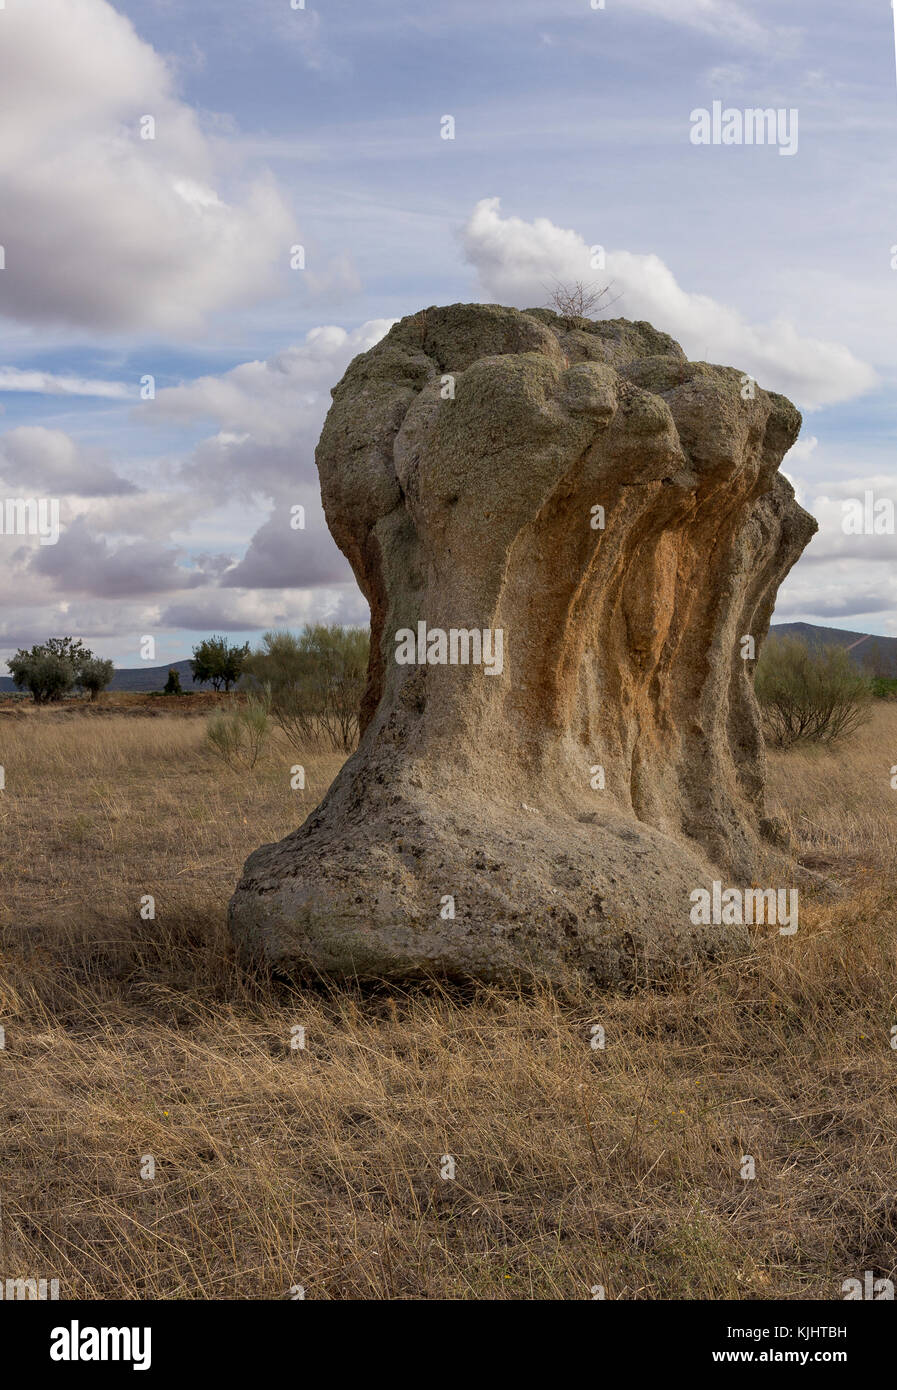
167 351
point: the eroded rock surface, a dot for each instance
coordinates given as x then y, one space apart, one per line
461 465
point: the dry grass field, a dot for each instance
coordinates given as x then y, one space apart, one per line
320 1166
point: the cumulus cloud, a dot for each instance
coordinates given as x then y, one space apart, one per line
83 563
845 592
155 514
273 401
268 416
867 504
177 555
219 611
102 228
33 458
281 557
110 630
515 260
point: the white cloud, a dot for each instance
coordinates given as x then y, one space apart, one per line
281 556
49 384
83 563
103 229
33 457
872 498
198 550
151 515
268 416
799 454
234 611
274 402
518 262
802 450
844 592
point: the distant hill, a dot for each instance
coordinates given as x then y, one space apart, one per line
139 678
863 648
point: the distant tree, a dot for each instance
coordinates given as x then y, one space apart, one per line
69 649
94 675
217 663
46 677
51 669
173 685
579 301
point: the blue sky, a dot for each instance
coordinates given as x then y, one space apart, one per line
127 257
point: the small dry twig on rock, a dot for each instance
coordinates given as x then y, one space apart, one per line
579 301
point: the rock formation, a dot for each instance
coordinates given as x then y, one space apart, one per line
545 809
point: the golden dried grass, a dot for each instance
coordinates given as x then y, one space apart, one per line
277 1167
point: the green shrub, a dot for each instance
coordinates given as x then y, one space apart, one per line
809 695
238 736
314 682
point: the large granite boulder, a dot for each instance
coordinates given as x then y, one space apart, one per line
606 520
